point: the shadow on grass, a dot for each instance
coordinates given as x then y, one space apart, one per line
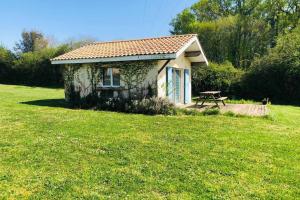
60 103
58 86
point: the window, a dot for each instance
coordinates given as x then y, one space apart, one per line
111 77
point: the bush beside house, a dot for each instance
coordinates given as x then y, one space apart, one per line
223 77
6 61
277 74
34 68
29 63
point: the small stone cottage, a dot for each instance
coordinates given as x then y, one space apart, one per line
146 67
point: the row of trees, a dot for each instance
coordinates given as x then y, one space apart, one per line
253 46
29 63
237 30
276 74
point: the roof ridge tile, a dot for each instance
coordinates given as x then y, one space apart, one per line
143 39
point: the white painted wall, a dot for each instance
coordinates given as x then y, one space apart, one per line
82 83
81 80
180 63
150 79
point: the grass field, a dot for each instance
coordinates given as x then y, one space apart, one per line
48 151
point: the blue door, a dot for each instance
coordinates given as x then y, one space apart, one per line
187 94
173 84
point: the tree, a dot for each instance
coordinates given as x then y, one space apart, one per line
79 42
277 74
34 68
210 10
31 41
183 23
237 30
280 15
6 60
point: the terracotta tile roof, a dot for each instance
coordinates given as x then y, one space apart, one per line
149 46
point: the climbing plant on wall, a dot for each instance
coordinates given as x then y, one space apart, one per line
133 74
94 74
72 75
81 89
69 75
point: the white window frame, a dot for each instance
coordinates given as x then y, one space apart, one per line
111 78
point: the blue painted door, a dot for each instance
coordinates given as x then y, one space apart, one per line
187 94
173 84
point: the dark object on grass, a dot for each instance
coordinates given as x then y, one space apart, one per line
265 101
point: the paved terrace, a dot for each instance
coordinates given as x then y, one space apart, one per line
242 109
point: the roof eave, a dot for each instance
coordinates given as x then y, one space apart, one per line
116 59
190 42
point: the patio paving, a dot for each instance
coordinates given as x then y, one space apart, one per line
242 109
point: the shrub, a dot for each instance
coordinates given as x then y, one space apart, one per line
76 101
211 111
230 114
6 60
153 106
223 77
113 104
34 68
149 106
73 97
276 75
185 111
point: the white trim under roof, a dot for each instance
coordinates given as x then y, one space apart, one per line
194 39
116 59
189 43
202 52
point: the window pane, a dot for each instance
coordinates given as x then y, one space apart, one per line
116 77
107 77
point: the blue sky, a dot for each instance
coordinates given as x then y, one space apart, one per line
99 19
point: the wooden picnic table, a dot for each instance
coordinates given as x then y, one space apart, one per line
214 96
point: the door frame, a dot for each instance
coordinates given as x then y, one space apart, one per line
187 86
172 89
179 71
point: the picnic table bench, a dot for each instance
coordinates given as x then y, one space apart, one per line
214 96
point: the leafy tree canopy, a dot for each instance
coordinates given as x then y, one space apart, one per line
277 74
31 41
237 30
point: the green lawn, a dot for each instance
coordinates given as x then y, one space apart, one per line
48 151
